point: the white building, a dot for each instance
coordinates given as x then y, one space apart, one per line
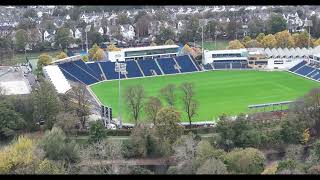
143 52
224 55
77 34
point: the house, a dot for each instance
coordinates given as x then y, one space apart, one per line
77 34
101 31
127 31
49 37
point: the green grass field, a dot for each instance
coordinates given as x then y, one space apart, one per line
210 45
216 91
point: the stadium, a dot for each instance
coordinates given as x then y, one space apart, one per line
227 81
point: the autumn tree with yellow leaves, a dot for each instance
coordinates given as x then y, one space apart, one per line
284 39
236 44
269 41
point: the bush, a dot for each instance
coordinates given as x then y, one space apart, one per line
96 131
57 147
245 161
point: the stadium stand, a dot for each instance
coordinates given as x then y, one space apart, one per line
208 66
95 67
167 65
109 70
84 66
304 70
77 73
148 66
294 68
133 69
186 64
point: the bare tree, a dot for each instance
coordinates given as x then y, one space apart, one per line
78 96
190 104
168 94
134 98
2 93
152 107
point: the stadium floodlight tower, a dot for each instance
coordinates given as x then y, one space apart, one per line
121 68
202 23
87 30
308 23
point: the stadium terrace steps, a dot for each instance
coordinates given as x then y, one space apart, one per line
96 68
109 70
133 69
167 65
304 70
186 64
314 71
194 63
155 60
78 73
148 65
86 68
208 66
176 66
139 68
294 68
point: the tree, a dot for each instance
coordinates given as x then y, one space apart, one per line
112 47
21 39
94 37
315 29
62 37
99 55
152 107
61 55
302 40
165 34
236 44
46 103
66 121
123 19
232 28
292 130
49 167
206 151
213 166
79 96
185 154
316 43
10 121
260 37
246 39
269 41
253 44
57 147
134 97
169 42
30 13
272 169
96 131
75 13
190 104
142 24
276 23
43 60
19 154
167 125
168 94
284 39
85 58
256 26
93 51
245 161
294 152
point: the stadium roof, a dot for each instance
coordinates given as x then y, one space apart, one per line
270 104
149 48
285 52
54 74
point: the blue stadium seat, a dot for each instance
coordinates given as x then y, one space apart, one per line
207 67
304 70
185 63
78 73
108 68
148 65
86 68
133 69
167 65
317 77
95 67
315 72
294 68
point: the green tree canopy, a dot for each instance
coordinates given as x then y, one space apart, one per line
21 39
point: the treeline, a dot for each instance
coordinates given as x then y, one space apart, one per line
282 39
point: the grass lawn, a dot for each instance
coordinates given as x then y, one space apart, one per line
32 56
216 91
210 45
